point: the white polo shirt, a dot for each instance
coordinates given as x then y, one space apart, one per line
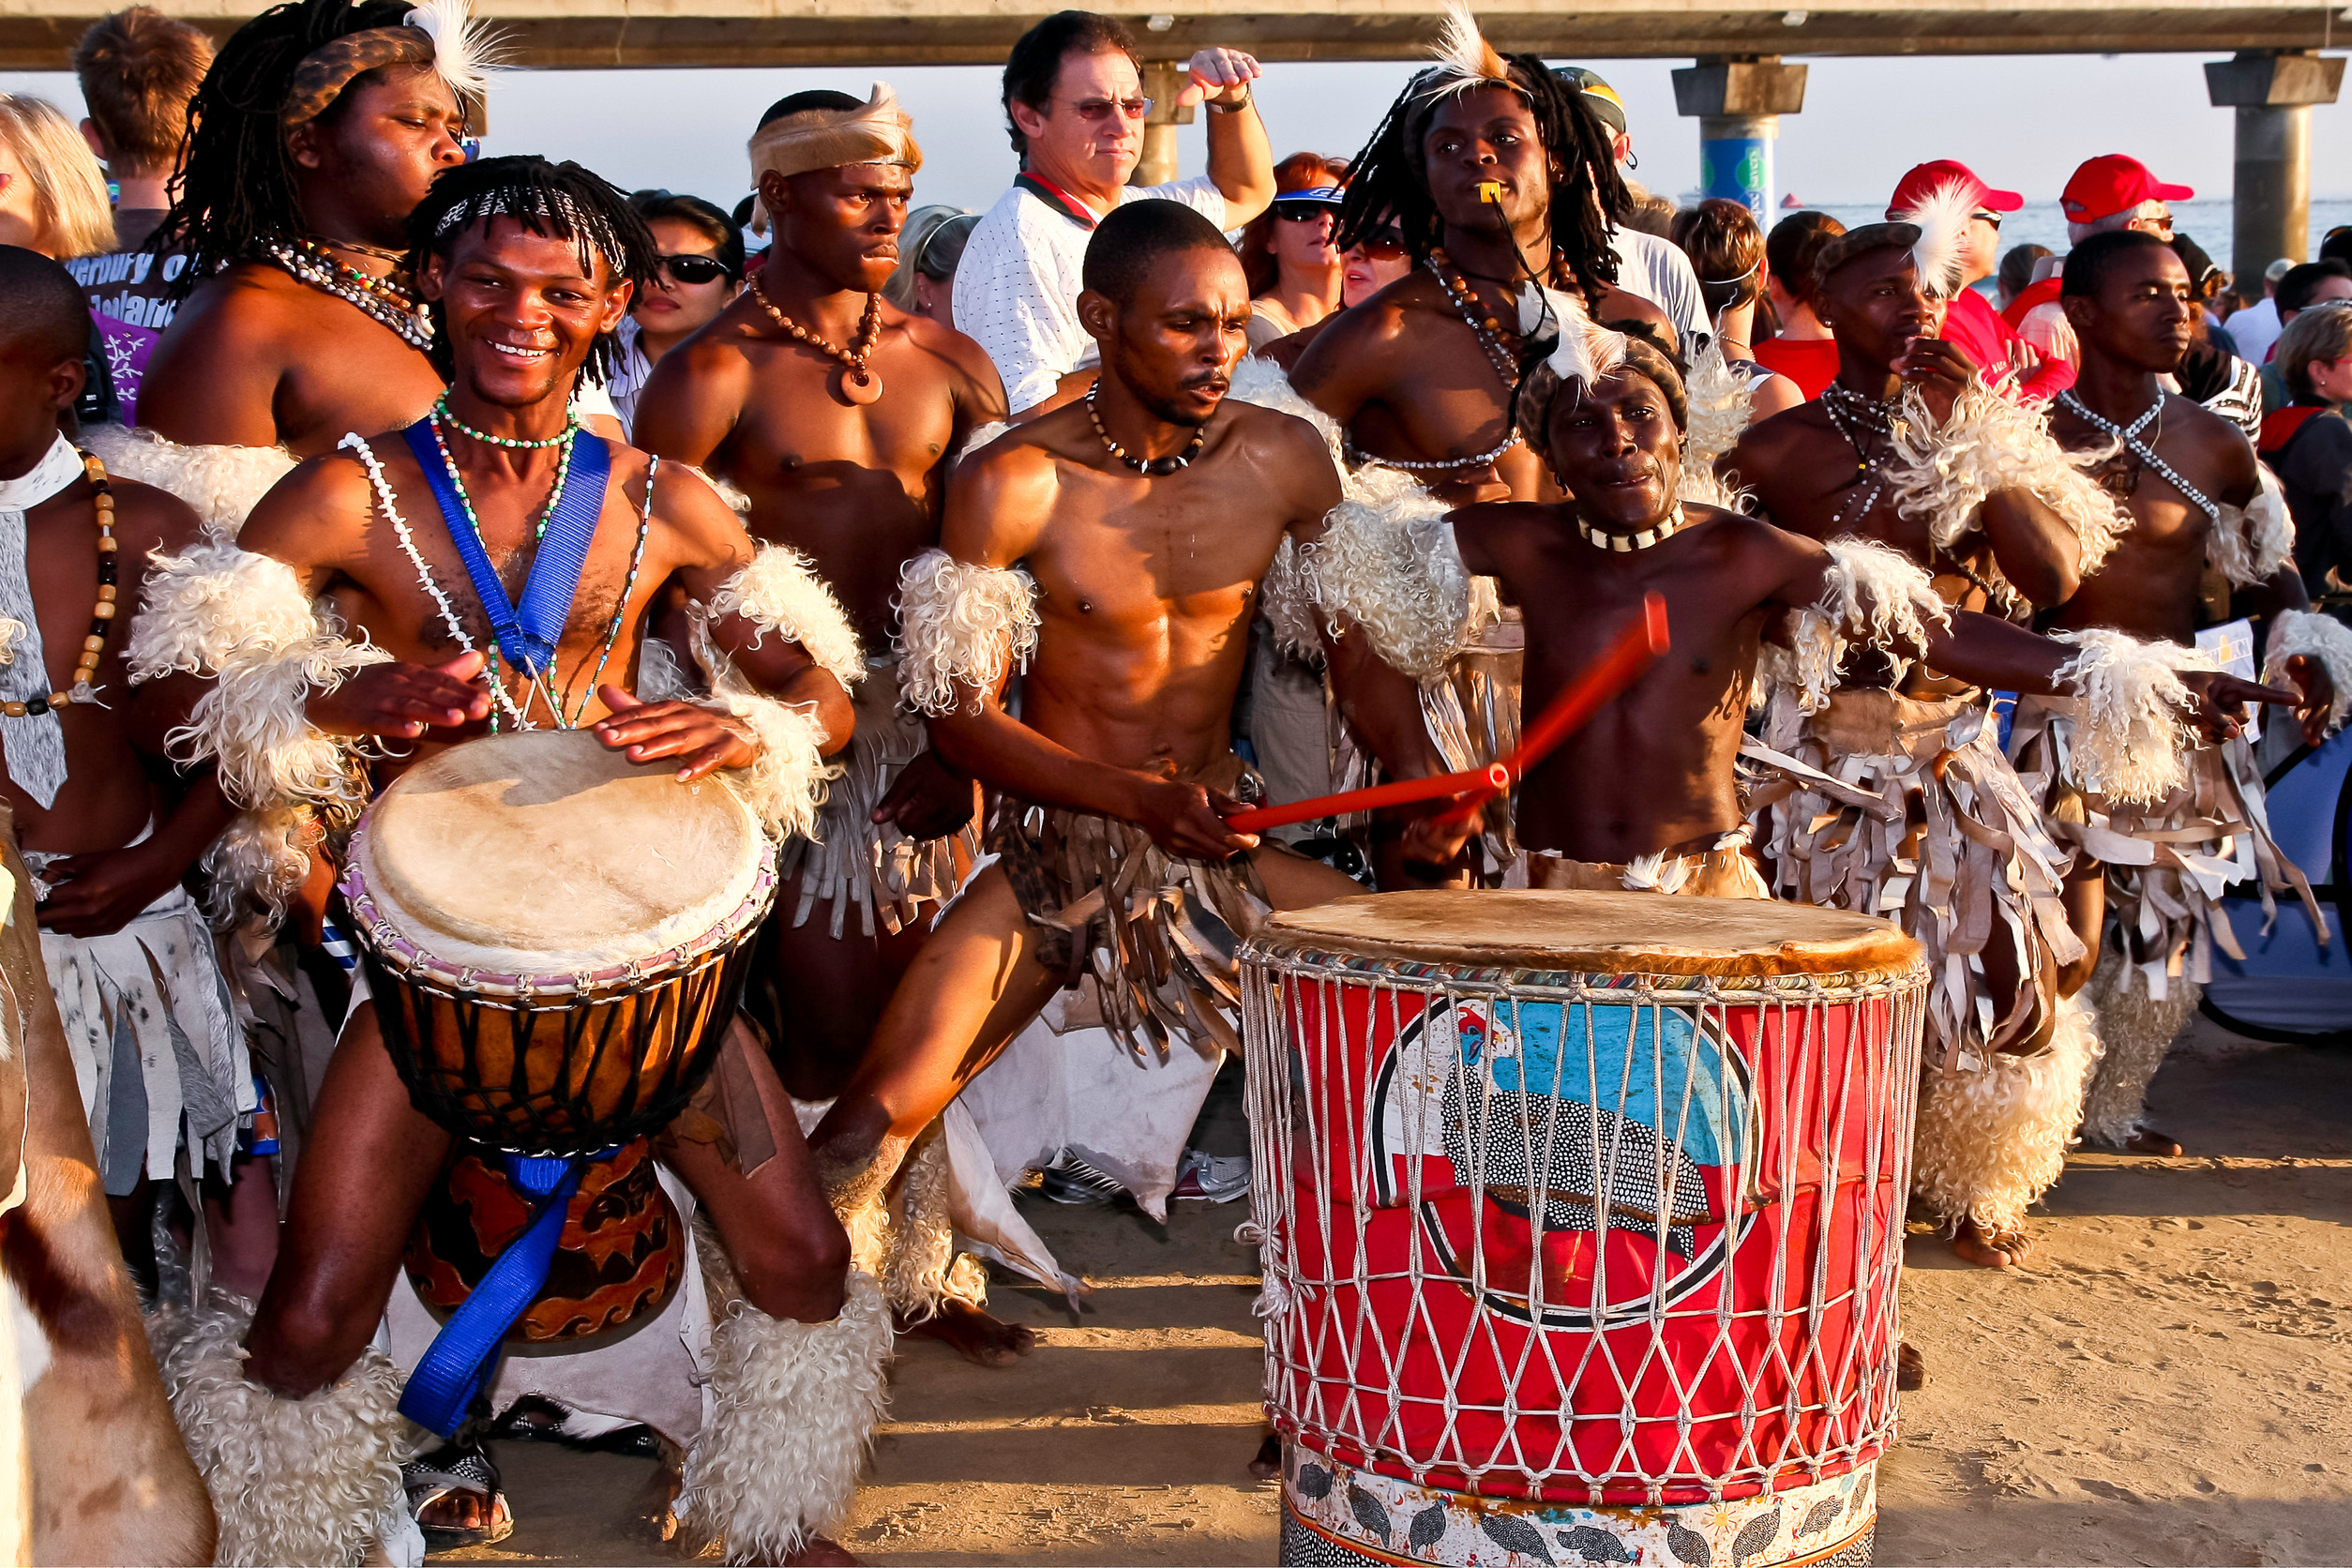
1017 284
1657 270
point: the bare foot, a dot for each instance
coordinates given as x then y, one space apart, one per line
2148 1141
1988 1249
1267 1462
974 1335
820 1551
1911 1367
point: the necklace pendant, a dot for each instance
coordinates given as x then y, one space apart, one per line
857 388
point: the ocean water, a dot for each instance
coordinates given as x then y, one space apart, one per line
2208 222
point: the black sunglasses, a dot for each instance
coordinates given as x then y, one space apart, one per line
695 269
1303 212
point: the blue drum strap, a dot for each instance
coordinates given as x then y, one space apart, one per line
527 636
465 1352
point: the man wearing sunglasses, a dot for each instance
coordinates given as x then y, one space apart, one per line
1075 108
2007 359
836 415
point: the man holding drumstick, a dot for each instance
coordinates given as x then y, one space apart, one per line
530 267
1115 549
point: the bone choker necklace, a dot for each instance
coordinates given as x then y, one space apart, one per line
1626 543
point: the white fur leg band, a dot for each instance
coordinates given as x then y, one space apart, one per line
1873 596
780 592
963 628
2248 545
792 1408
2133 738
1992 1136
1941 474
303 1481
1389 563
2302 633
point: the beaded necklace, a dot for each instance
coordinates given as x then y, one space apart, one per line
2129 437
101 614
1151 468
513 444
1863 421
384 300
1488 330
859 383
1625 543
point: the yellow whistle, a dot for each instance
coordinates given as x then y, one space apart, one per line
1491 192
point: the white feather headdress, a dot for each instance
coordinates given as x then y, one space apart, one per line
465 48
1464 58
1580 350
1942 220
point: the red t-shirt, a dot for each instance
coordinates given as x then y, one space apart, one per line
2033 295
1972 325
1810 362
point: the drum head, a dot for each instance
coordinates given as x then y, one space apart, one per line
1595 933
546 853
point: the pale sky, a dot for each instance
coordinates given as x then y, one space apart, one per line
2023 122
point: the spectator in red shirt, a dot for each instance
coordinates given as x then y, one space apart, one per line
1801 348
1970 323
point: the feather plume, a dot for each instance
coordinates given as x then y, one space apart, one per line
1579 350
1942 220
1464 58
466 51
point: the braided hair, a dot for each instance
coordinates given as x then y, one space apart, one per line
558 201
1389 178
238 188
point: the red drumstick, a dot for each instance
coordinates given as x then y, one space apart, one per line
1626 658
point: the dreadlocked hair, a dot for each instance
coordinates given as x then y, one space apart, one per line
557 200
1389 180
238 188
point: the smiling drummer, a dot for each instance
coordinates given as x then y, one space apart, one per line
348 637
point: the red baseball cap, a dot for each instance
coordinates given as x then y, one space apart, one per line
1928 178
2109 184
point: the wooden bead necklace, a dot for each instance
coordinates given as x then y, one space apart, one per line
1151 468
101 615
855 382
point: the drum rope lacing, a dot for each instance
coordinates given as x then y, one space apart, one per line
1337 1378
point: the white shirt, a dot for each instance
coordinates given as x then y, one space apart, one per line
2254 330
1657 270
1017 284
629 378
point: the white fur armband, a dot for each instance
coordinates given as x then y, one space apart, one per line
1721 405
2251 543
2313 636
222 483
1873 596
1267 384
1287 600
2132 735
962 626
780 592
244 620
1389 563
1941 474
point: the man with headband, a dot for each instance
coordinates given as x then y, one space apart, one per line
1075 108
1909 450
836 416
318 130
343 642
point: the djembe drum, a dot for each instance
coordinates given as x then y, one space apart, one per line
555 936
1582 1221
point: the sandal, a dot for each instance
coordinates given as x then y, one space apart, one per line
457 1468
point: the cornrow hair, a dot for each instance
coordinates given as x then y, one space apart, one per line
1389 179
558 201
238 188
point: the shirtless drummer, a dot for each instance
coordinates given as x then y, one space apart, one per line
529 267
2200 506
1115 549
837 414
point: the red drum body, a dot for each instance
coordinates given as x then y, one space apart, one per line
1588 1201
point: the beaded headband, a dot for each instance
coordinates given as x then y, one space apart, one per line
558 210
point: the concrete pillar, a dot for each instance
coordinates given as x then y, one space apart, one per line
1738 102
1162 81
2272 92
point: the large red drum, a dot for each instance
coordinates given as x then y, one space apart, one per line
1587 1206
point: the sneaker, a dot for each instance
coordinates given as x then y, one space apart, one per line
1215 1178
1074 1181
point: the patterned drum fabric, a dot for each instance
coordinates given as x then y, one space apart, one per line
1589 1202
621 1253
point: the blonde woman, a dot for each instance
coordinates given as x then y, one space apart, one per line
52 193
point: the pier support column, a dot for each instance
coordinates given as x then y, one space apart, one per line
1162 81
1738 101
2272 92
